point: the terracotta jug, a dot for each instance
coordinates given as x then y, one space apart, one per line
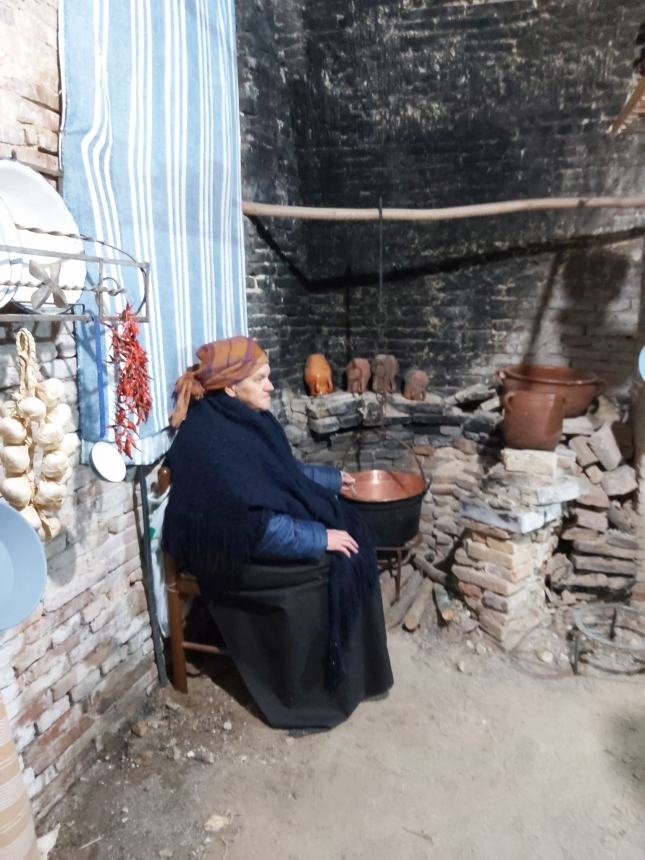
384 371
533 419
318 375
416 383
358 374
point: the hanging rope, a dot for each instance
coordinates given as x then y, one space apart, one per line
27 362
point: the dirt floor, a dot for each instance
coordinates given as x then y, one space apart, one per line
474 754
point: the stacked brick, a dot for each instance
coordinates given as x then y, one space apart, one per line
599 550
456 473
80 665
324 427
498 576
509 536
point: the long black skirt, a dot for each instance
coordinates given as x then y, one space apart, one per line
276 629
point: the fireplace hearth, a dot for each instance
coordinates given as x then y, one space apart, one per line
508 533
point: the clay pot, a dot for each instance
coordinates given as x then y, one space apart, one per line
576 387
533 419
384 371
416 384
318 375
358 374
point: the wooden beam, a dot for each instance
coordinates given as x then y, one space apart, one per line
448 213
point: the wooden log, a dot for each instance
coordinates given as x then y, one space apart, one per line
388 589
444 604
446 213
429 570
413 615
398 610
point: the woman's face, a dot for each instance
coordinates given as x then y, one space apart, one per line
255 390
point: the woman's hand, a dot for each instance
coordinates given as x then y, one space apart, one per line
339 541
346 481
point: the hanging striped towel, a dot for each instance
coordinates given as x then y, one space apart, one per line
151 159
17 833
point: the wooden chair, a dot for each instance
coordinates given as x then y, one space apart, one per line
179 587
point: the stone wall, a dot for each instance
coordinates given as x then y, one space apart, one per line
434 104
81 663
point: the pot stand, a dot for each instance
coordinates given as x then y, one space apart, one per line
600 623
392 559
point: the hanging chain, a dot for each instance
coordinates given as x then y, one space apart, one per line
380 319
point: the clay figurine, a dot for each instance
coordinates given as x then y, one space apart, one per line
358 375
384 371
415 385
318 374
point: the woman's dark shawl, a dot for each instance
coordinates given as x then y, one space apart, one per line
231 469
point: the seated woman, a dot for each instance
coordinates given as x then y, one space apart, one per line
287 565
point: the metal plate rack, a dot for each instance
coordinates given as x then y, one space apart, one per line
105 286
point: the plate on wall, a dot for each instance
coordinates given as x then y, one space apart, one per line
10 261
33 202
107 462
23 567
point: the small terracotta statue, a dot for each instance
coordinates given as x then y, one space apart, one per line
358 375
384 371
415 385
318 374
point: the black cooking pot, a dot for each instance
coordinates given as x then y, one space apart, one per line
392 521
390 502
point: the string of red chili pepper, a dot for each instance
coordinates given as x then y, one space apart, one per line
133 400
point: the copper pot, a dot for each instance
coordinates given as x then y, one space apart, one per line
532 419
576 387
379 485
390 504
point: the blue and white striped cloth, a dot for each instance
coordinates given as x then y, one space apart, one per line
151 160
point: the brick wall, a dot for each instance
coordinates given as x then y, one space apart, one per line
438 103
29 83
80 665
278 299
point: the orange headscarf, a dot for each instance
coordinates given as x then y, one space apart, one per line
221 363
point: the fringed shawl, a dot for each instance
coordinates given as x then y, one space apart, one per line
232 468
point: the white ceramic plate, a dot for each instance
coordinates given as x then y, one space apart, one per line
107 462
641 363
22 565
10 262
33 202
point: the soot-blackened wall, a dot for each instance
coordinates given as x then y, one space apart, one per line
424 104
